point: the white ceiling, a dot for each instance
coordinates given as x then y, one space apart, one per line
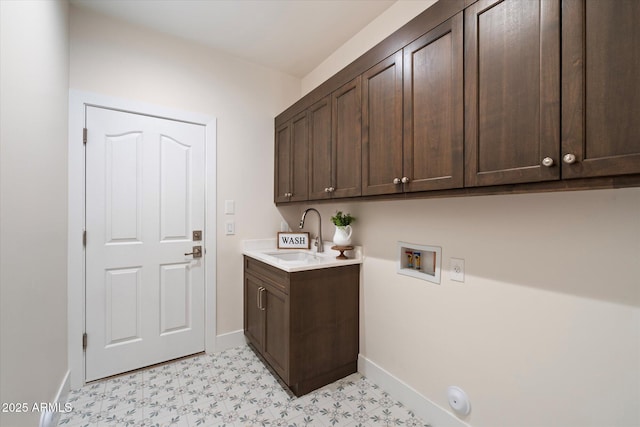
292 36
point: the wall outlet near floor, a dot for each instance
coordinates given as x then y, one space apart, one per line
456 269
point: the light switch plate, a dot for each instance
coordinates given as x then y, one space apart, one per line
229 207
229 228
456 269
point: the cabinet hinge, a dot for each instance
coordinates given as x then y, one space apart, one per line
84 341
84 135
84 238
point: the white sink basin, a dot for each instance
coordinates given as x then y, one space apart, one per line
295 260
297 257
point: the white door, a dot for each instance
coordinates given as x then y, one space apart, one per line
145 196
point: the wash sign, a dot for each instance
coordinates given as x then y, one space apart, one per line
293 241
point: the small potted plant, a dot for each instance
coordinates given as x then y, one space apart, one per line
342 236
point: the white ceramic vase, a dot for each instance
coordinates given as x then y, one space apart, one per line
342 236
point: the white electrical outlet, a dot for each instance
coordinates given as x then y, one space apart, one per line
456 269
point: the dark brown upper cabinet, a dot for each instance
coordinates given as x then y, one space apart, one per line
292 160
346 115
320 149
382 127
335 141
601 88
512 92
433 148
429 154
478 97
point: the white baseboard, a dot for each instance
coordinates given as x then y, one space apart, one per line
230 340
50 418
431 413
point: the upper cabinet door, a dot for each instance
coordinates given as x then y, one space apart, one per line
512 91
282 166
292 160
601 88
299 158
320 149
434 110
346 145
382 127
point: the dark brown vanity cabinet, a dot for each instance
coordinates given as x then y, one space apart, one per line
601 88
292 160
304 324
512 91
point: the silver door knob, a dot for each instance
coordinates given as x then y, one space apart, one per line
569 158
405 180
396 181
547 161
197 252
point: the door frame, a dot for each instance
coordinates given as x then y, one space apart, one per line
78 100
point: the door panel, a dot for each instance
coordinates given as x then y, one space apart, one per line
512 91
145 195
123 309
276 349
346 144
253 317
175 197
123 187
320 149
175 297
283 163
434 113
299 158
601 87
382 127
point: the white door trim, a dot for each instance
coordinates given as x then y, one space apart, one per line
75 287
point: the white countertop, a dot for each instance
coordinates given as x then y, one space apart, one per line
264 249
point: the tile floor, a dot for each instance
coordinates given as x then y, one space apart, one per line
232 388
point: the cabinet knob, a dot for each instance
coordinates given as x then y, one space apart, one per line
326 189
331 189
405 180
569 158
396 181
547 161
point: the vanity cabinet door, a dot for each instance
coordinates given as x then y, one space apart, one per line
512 92
276 327
253 316
601 88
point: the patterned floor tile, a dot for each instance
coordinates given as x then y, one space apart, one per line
232 388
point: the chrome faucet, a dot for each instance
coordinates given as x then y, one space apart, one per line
318 243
